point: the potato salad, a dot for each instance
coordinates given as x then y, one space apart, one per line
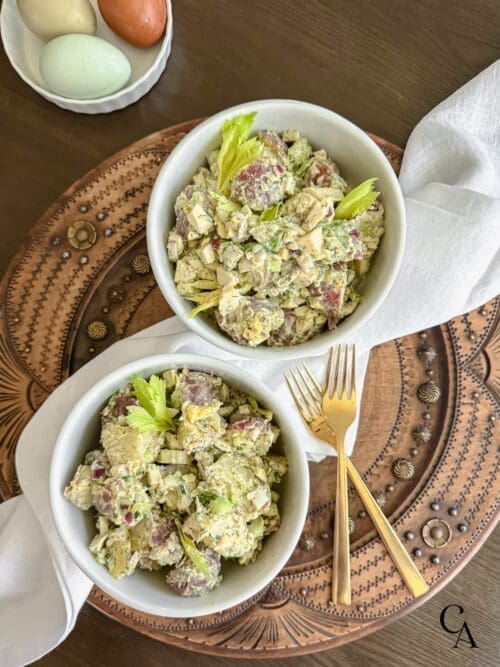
269 238
183 478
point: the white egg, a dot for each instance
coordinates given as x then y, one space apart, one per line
52 18
83 67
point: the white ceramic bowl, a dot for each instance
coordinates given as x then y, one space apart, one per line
147 591
358 157
23 49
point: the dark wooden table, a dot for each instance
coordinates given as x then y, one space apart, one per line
383 64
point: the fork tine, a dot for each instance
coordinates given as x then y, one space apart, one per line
353 371
307 409
335 385
345 359
300 408
313 379
303 394
313 396
328 372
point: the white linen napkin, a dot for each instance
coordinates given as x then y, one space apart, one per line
451 181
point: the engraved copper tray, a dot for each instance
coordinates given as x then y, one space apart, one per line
426 445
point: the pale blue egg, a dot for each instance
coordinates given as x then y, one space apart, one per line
83 67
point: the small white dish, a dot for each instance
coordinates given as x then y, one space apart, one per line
148 591
23 49
358 158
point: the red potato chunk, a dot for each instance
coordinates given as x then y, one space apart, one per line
260 184
186 580
197 387
117 406
300 325
249 424
250 434
190 197
251 322
321 172
98 462
330 298
162 531
120 500
286 332
157 541
274 143
181 224
121 403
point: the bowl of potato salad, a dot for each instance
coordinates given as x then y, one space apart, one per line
178 486
276 229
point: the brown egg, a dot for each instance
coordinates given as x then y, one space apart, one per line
139 22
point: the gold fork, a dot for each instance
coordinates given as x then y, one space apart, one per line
310 409
339 408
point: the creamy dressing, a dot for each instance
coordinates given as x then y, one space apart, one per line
269 261
210 479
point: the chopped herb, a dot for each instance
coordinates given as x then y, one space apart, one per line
227 244
302 168
274 244
205 497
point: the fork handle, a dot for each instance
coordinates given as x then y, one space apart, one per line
341 571
407 569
